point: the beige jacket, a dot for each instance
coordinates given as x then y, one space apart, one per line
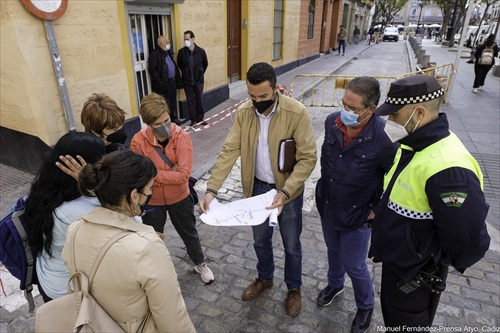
291 120
136 281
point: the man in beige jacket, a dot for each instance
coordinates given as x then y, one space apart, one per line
259 126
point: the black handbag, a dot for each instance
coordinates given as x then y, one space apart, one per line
192 181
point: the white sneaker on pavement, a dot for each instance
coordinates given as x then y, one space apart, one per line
205 273
474 90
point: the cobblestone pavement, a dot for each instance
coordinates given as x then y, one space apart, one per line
470 302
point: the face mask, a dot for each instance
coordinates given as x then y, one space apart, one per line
167 47
118 137
349 118
143 206
187 43
262 106
395 131
164 130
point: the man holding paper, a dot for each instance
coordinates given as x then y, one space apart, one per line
259 126
355 156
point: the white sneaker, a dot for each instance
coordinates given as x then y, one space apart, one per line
474 90
205 273
480 87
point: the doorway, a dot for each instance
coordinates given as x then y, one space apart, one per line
234 40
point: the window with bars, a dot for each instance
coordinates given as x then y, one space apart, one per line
278 29
310 23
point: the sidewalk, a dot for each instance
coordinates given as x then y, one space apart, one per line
470 300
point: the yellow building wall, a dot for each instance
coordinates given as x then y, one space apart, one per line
92 55
207 20
260 32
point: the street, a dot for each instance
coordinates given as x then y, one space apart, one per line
470 300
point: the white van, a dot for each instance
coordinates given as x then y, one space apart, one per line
390 33
470 29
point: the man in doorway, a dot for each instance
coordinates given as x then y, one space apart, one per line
259 126
193 63
342 37
165 75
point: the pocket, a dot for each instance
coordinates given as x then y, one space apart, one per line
413 241
363 158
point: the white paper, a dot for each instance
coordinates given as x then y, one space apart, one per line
244 212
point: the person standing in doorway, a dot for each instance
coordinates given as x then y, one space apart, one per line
259 126
342 37
356 35
355 156
165 75
193 63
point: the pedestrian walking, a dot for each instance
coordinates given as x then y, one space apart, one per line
357 32
433 209
369 35
342 35
159 141
484 60
165 75
345 194
193 63
259 126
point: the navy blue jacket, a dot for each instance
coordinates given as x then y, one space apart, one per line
352 177
405 245
193 65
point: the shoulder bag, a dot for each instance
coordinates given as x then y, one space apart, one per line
78 311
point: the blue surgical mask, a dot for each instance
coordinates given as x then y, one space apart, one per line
350 118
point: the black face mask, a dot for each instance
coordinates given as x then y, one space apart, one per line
143 206
118 137
262 106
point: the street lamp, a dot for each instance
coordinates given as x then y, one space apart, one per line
421 4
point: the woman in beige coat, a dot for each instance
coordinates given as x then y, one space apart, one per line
136 281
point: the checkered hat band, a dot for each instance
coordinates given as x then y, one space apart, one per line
414 100
411 214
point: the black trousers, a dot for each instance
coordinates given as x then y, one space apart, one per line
399 309
194 93
480 72
184 222
171 97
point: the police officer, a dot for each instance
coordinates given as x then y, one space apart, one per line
433 206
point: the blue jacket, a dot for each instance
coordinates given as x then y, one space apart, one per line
352 177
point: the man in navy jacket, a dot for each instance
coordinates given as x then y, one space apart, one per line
355 156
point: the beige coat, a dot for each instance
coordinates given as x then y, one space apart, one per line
136 282
290 121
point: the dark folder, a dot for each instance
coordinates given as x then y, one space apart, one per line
286 158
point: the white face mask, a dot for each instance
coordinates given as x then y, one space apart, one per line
187 43
167 47
395 131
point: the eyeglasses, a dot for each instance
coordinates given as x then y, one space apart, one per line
347 107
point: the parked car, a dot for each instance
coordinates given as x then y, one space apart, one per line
390 33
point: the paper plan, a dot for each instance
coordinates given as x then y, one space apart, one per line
244 212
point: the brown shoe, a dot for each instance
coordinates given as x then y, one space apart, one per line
293 302
256 288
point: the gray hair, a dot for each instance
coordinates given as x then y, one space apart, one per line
367 87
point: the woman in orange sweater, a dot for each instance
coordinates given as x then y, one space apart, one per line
171 190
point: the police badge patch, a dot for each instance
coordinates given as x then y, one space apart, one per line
453 199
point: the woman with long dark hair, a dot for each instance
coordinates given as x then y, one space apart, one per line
485 59
136 282
53 203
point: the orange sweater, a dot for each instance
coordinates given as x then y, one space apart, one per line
170 186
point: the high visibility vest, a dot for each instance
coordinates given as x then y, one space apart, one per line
408 197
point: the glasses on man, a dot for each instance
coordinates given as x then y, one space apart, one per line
347 107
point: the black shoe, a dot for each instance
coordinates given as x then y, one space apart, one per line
192 123
327 295
179 121
361 321
470 61
203 123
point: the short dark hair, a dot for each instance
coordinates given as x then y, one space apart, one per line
367 87
191 34
261 72
115 176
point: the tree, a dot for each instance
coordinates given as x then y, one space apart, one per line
488 4
457 10
385 10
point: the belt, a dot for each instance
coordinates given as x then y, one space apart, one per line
258 181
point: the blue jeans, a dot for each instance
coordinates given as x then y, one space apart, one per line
342 44
347 252
290 225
